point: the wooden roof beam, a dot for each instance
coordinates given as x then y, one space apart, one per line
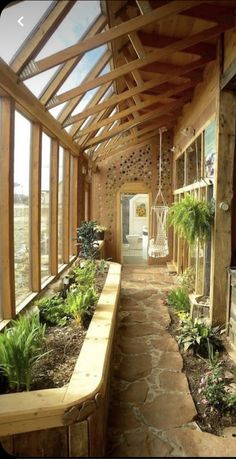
136 90
113 33
41 34
66 69
156 41
134 108
93 102
125 126
90 77
139 63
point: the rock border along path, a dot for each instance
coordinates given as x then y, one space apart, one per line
151 408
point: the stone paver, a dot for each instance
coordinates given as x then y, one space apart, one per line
151 409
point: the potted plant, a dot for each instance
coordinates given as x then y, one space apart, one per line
192 219
100 232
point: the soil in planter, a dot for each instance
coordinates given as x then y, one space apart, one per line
64 343
208 418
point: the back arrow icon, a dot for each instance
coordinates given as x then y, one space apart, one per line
20 21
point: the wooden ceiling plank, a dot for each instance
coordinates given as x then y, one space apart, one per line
41 34
67 68
139 63
113 33
136 90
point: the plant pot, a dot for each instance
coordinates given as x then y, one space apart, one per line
200 306
100 235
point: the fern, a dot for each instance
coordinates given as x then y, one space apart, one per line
192 219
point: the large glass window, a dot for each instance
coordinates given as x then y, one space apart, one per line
22 207
45 207
60 206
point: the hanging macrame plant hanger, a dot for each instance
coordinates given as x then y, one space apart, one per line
158 242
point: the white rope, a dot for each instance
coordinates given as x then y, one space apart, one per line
158 243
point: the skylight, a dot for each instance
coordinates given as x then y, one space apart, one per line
12 34
75 24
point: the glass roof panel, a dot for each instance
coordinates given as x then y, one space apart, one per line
84 101
56 111
38 83
88 61
75 24
12 34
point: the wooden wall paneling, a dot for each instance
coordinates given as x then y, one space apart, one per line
42 443
35 206
54 207
73 204
223 192
6 207
78 439
66 206
7 444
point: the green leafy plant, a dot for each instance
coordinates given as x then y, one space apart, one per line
213 387
85 276
192 219
86 236
195 334
52 311
178 298
21 346
187 280
80 304
102 265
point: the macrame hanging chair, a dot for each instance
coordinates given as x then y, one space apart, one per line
158 242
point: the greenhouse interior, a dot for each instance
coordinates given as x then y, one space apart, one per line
117 240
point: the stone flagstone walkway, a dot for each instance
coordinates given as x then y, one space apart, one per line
151 409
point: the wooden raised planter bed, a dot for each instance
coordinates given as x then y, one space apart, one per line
69 421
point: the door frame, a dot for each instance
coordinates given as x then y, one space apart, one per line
128 187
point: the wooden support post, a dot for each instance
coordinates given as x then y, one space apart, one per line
35 207
73 205
54 208
7 290
223 193
66 206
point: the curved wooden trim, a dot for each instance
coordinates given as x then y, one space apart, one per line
42 409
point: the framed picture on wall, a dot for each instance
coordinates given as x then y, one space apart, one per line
141 210
210 149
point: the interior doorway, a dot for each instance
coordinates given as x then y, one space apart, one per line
134 227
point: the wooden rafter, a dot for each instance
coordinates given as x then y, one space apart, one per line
136 90
41 34
149 102
139 63
93 102
115 32
90 77
125 126
66 69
